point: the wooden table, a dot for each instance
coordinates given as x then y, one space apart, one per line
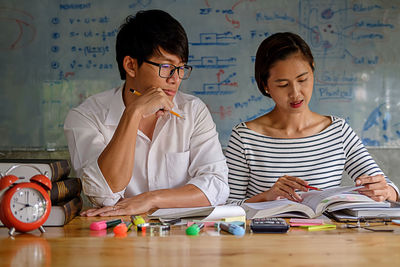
76 245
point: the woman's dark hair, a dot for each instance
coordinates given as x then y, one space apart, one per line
278 46
142 36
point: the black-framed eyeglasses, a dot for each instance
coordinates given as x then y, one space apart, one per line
166 70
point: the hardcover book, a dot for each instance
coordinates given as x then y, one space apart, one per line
54 169
63 213
65 189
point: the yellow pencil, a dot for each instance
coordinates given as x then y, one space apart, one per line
170 111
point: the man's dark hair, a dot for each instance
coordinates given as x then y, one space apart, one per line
276 47
142 36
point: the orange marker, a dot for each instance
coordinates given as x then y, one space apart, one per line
170 111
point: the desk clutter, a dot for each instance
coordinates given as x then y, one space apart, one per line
321 210
236 225
342 204
62 196
137 226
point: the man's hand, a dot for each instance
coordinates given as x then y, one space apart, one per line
283 188
376 188
128 206
153 101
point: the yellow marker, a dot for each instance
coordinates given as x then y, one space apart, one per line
137 219
170 111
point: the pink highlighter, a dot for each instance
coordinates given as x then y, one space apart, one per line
101 225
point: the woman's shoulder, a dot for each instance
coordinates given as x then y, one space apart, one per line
240 127
337 121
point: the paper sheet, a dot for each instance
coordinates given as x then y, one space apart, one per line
209 213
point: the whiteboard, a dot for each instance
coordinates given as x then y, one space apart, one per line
54 54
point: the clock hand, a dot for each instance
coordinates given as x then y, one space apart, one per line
25 206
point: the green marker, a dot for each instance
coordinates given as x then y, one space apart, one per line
194 229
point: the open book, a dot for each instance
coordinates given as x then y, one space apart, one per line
313 205
209 213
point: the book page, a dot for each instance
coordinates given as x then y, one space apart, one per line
313 198
348 200
225 211
269 204
277 208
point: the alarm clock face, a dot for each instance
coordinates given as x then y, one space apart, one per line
28 205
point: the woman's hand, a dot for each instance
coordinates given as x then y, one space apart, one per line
376 188
128 206
284 187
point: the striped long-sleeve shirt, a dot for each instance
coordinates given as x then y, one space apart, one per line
256 161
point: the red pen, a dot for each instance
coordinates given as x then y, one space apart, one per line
313 188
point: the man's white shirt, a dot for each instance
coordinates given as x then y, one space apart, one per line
182 151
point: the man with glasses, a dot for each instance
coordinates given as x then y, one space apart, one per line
146 145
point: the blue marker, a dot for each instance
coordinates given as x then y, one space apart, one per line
234 229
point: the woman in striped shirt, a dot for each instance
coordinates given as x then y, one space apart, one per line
283 151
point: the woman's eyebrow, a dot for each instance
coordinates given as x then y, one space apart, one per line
304 73
298 76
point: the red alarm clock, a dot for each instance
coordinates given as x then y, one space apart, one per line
24 206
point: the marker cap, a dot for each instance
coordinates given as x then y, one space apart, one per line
237 230
97 226
194 229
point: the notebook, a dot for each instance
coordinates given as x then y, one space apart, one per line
373 212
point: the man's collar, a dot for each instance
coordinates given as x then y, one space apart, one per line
116 107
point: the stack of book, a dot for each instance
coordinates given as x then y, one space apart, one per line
65 194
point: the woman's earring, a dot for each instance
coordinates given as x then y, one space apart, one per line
265 89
